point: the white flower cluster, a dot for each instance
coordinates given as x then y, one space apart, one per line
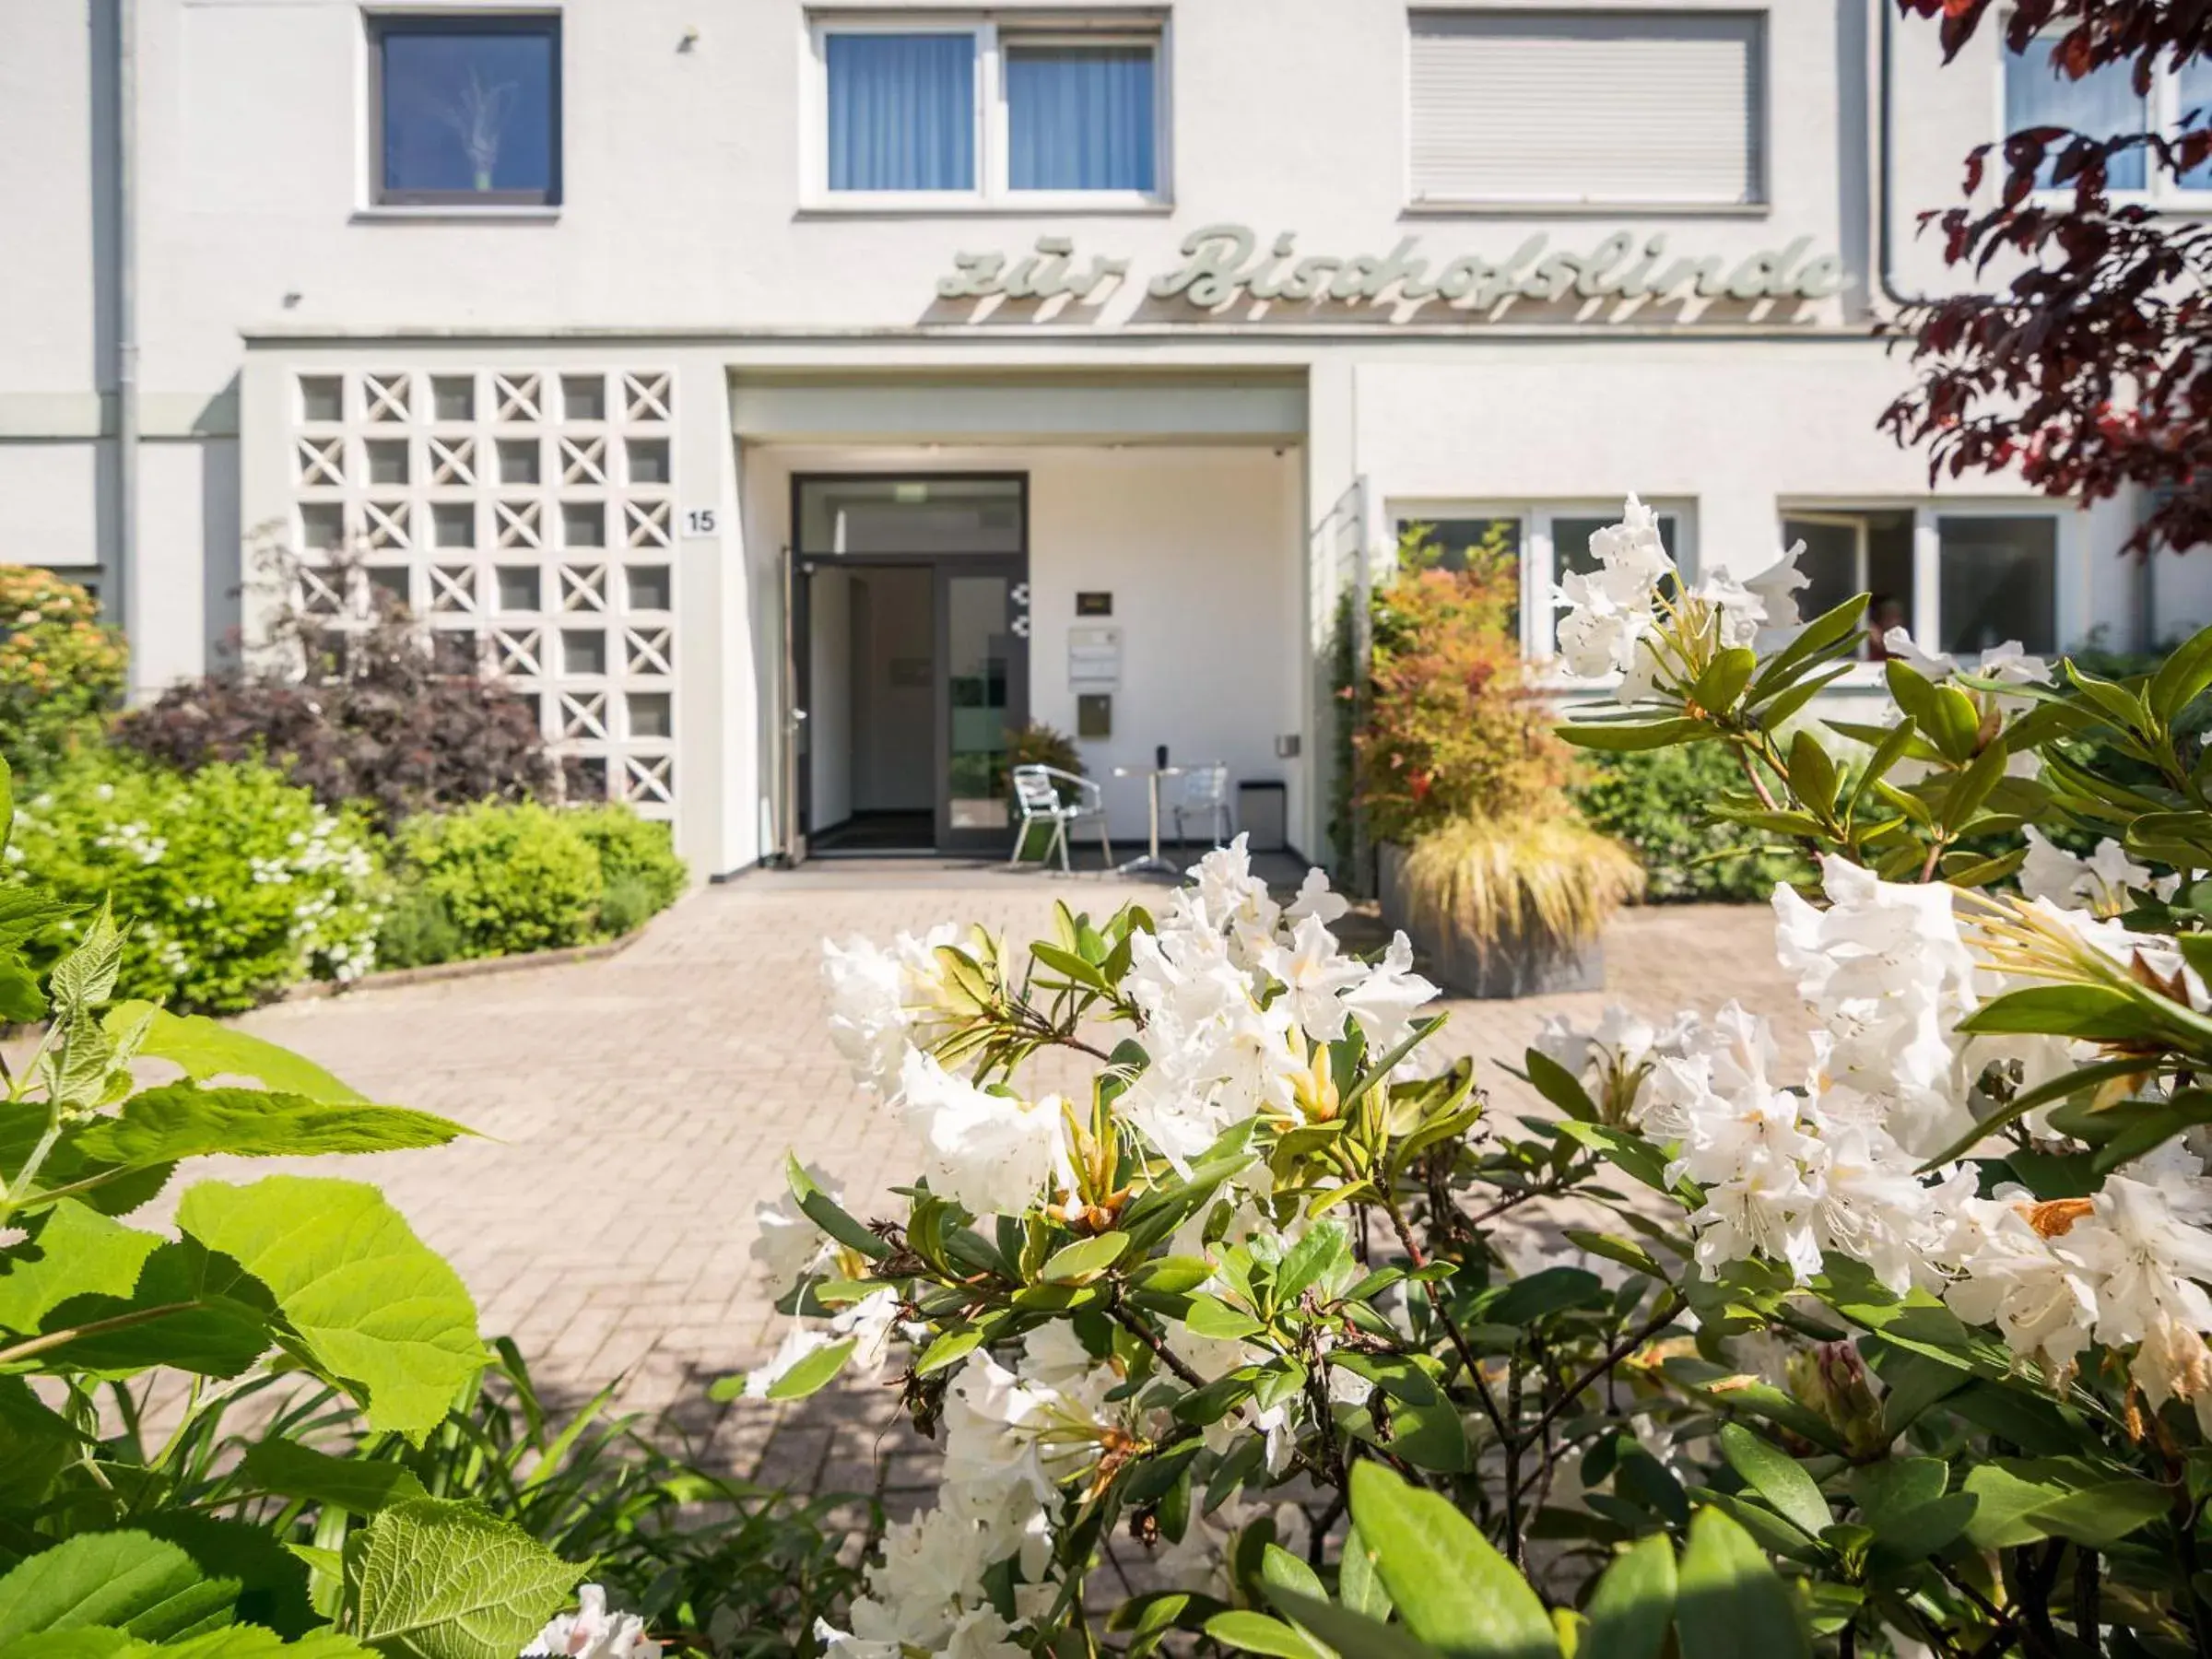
138 839
1614 612
592 1632
1789 1173
1235 993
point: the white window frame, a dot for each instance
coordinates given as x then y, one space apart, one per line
1539 550
2162 190
1762 120
991 191
2070 581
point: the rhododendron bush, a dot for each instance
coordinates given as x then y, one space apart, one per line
1248 1317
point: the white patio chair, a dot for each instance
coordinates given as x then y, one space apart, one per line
1038 798
1204 794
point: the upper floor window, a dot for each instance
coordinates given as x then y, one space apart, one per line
465 109
2105 104
1588 107
987 112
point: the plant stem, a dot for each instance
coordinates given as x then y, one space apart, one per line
2084 1599
12 1193
1614 1356
97 1327
1167 1357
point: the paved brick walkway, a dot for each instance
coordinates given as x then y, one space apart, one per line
635 1110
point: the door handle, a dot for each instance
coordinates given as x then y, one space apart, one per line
1019 594
1020 625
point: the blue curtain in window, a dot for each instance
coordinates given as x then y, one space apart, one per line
2101 103
901 112
1079 118
2194 91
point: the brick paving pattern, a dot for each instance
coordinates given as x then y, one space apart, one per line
634 1110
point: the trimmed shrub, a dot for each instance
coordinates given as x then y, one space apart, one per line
417 932
232 883
363 706
60 668
636 856
512 876
1657 800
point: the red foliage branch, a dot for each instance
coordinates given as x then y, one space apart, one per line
2091 368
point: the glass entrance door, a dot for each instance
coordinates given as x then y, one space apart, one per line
984 677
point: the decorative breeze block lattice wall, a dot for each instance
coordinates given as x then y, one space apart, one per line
529 517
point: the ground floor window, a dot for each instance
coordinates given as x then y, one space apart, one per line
1958 581
1545 540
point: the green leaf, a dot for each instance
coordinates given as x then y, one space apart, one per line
1623 738
1350 1633
2089 1013
2181 677
356 1485
1812 777
1633 1604
1211 1317
1778 1478
85 977
1905 1503
272 1582
430 1579
371 1305
1729 1599
947 1348
1084 1260
74 1250
1454 1591
205 1049
1257 1633
35 1441
1284 1571
2019 1500
1830 628
1560 1086
1724 679
1357 1580
183 1120
1318 1254
129 1580
1540 1294
814 1371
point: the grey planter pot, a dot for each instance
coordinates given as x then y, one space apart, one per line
1455 958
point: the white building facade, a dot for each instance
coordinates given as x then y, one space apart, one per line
795 398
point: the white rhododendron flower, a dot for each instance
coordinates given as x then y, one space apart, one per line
592 1632
989 1151
2099 883
877 996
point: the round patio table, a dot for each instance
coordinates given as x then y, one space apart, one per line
1151 860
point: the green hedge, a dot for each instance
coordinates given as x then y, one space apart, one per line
1655 802
500 878
233 883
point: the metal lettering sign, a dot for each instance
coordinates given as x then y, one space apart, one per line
1223 267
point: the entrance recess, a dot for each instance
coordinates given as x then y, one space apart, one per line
908 658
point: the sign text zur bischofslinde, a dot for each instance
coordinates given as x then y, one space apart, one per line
1224 265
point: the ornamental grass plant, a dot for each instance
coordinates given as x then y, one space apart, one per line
1457 765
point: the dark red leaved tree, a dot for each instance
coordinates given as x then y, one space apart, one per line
2090 368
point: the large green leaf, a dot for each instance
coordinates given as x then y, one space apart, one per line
371 1305
206 1050
1904 1500
183 1120
130 1580
1354 1635
35 1441
356 1484
75 1251
2019 1501
1633 1604
229 1642
1452 1588
1256 1633
271 1581
203 1314
430 1579
1729 1599
1778 1478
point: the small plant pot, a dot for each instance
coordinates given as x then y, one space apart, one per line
1464 964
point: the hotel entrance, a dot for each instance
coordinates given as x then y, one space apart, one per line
908 661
